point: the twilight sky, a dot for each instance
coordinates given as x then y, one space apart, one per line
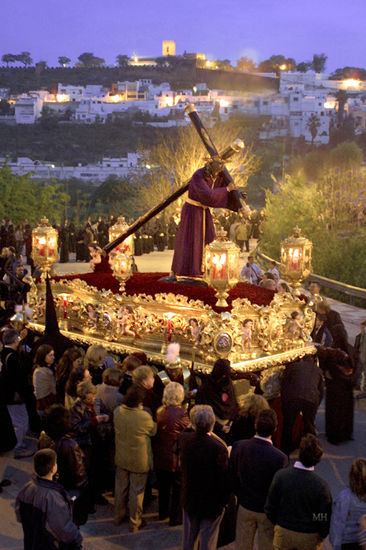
219 28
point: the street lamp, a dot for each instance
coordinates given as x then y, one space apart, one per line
126 246
221 266
296 258
44 246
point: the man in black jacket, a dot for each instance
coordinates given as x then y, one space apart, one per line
205 484
253 463
15 388
44 511
302 390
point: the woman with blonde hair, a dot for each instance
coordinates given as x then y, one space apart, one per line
171 419
94 362
348 509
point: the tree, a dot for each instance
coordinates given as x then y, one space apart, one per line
326 212
90 60
40 66
5 107
245 64
303 67
120 194
318 63
162 61
342 98
25 58
122 60
177 156
277 63
224 64
64 61
23 198
313 124
8 58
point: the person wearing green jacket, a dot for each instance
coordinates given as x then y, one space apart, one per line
134 428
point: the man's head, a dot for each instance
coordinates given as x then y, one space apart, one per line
143 376
266 423
45 463
315 288
310 450
11 338
250 260
202 418
214 167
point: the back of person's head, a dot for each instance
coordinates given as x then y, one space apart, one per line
310 450
357 478
57 421
221 370
134 396
270 284
252 404
140 355
95 356
130 363
173 394
44 461
323 307
112 377
141 373
270 276
40 355
76 375
71 354
202 418
85 387
10 336
266 422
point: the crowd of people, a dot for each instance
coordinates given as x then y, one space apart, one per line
117 425
114 424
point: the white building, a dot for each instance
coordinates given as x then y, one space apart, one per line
28 107
99 172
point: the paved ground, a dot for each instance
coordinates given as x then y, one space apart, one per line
100 533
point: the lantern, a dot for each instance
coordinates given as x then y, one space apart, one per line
126 246
121 266
296 258
44 246
222 266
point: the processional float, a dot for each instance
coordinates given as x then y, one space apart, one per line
145 313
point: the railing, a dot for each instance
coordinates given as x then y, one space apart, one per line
351 291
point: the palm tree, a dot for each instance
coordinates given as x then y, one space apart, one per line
313 124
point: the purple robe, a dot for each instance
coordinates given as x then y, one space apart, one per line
187 257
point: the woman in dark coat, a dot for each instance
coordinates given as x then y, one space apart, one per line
171 420
218 391
338 364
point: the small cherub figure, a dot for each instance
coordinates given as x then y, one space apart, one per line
124 321
93 315
246 335
195 330
295 326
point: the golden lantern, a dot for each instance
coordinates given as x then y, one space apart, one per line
126 246
44 246
121 265
296 258
222 270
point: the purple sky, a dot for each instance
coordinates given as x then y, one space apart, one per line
221 29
